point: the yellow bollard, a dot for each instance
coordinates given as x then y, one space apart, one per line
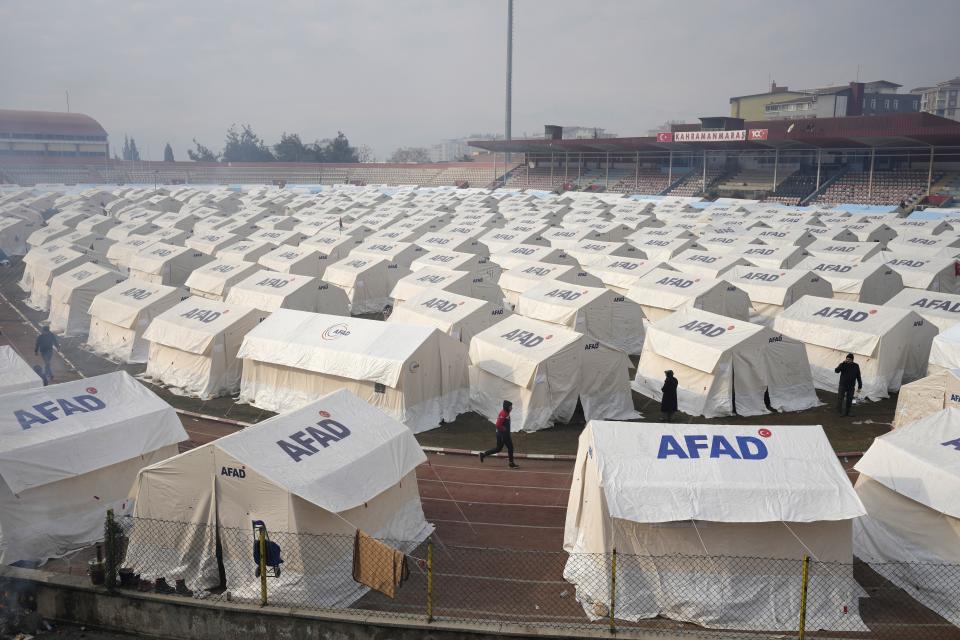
803 597
263 567
613 590
430 581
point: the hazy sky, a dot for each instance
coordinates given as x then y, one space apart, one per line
411 72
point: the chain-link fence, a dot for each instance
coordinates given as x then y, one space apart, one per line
700 596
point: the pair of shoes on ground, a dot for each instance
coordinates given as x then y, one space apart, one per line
512 465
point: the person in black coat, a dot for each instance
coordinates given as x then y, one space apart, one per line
668 403
849 376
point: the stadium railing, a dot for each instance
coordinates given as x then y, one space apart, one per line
731 597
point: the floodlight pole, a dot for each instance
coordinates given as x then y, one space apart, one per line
507 136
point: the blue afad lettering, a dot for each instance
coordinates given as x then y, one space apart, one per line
47 411
526 338
953 443
304 443
706 328
747 447
844 314
940 305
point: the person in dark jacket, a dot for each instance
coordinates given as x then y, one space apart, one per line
46 343
849 376
504 439
668 403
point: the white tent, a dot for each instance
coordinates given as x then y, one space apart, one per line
891 344
775 256
939 309
773 290
909 482
415 373
661 292
543 368
712 515
512 256
621 274
268 291
595 253
867 282
15 373
122 253
484 274
39 273
597 312
919 272
193 347
527 275
69 452
72 293
354 467
434 279
849 251
215 279
244 251
928 395
662 249
211 243
724 366
451 242
302 260
945 351
365 282
47 234
166 264
459 316
13 235
120 315
704 264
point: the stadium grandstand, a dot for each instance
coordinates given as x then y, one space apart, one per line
880 159
40 135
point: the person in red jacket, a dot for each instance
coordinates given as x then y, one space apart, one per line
503 435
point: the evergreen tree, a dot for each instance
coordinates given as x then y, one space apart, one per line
168 153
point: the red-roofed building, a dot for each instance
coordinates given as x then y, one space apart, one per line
45 134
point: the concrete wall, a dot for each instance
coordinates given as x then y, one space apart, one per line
71 598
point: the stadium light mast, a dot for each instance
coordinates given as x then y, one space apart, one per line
507 136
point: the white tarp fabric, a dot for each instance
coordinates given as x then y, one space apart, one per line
415 373
41 271
773 290
69 452
14 233
301 260
120 315
458 316
774 256
669 494
705 264
15 373
926 396
724 366
892 345
437 280
121 253
328 468
597 312
364 280
271 290
214 279
526 275
864 282
244 251
909 479
661 292
534 364
72 293
621 274
945 351
166 264
939 309
193 346
918 272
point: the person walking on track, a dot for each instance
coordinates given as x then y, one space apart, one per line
46 343
668 402
504 439
849 375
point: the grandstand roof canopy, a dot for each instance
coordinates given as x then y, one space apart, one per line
49 122
894 130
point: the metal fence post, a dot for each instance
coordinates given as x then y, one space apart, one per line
263 567
110 549
430 580
613 590
803 597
